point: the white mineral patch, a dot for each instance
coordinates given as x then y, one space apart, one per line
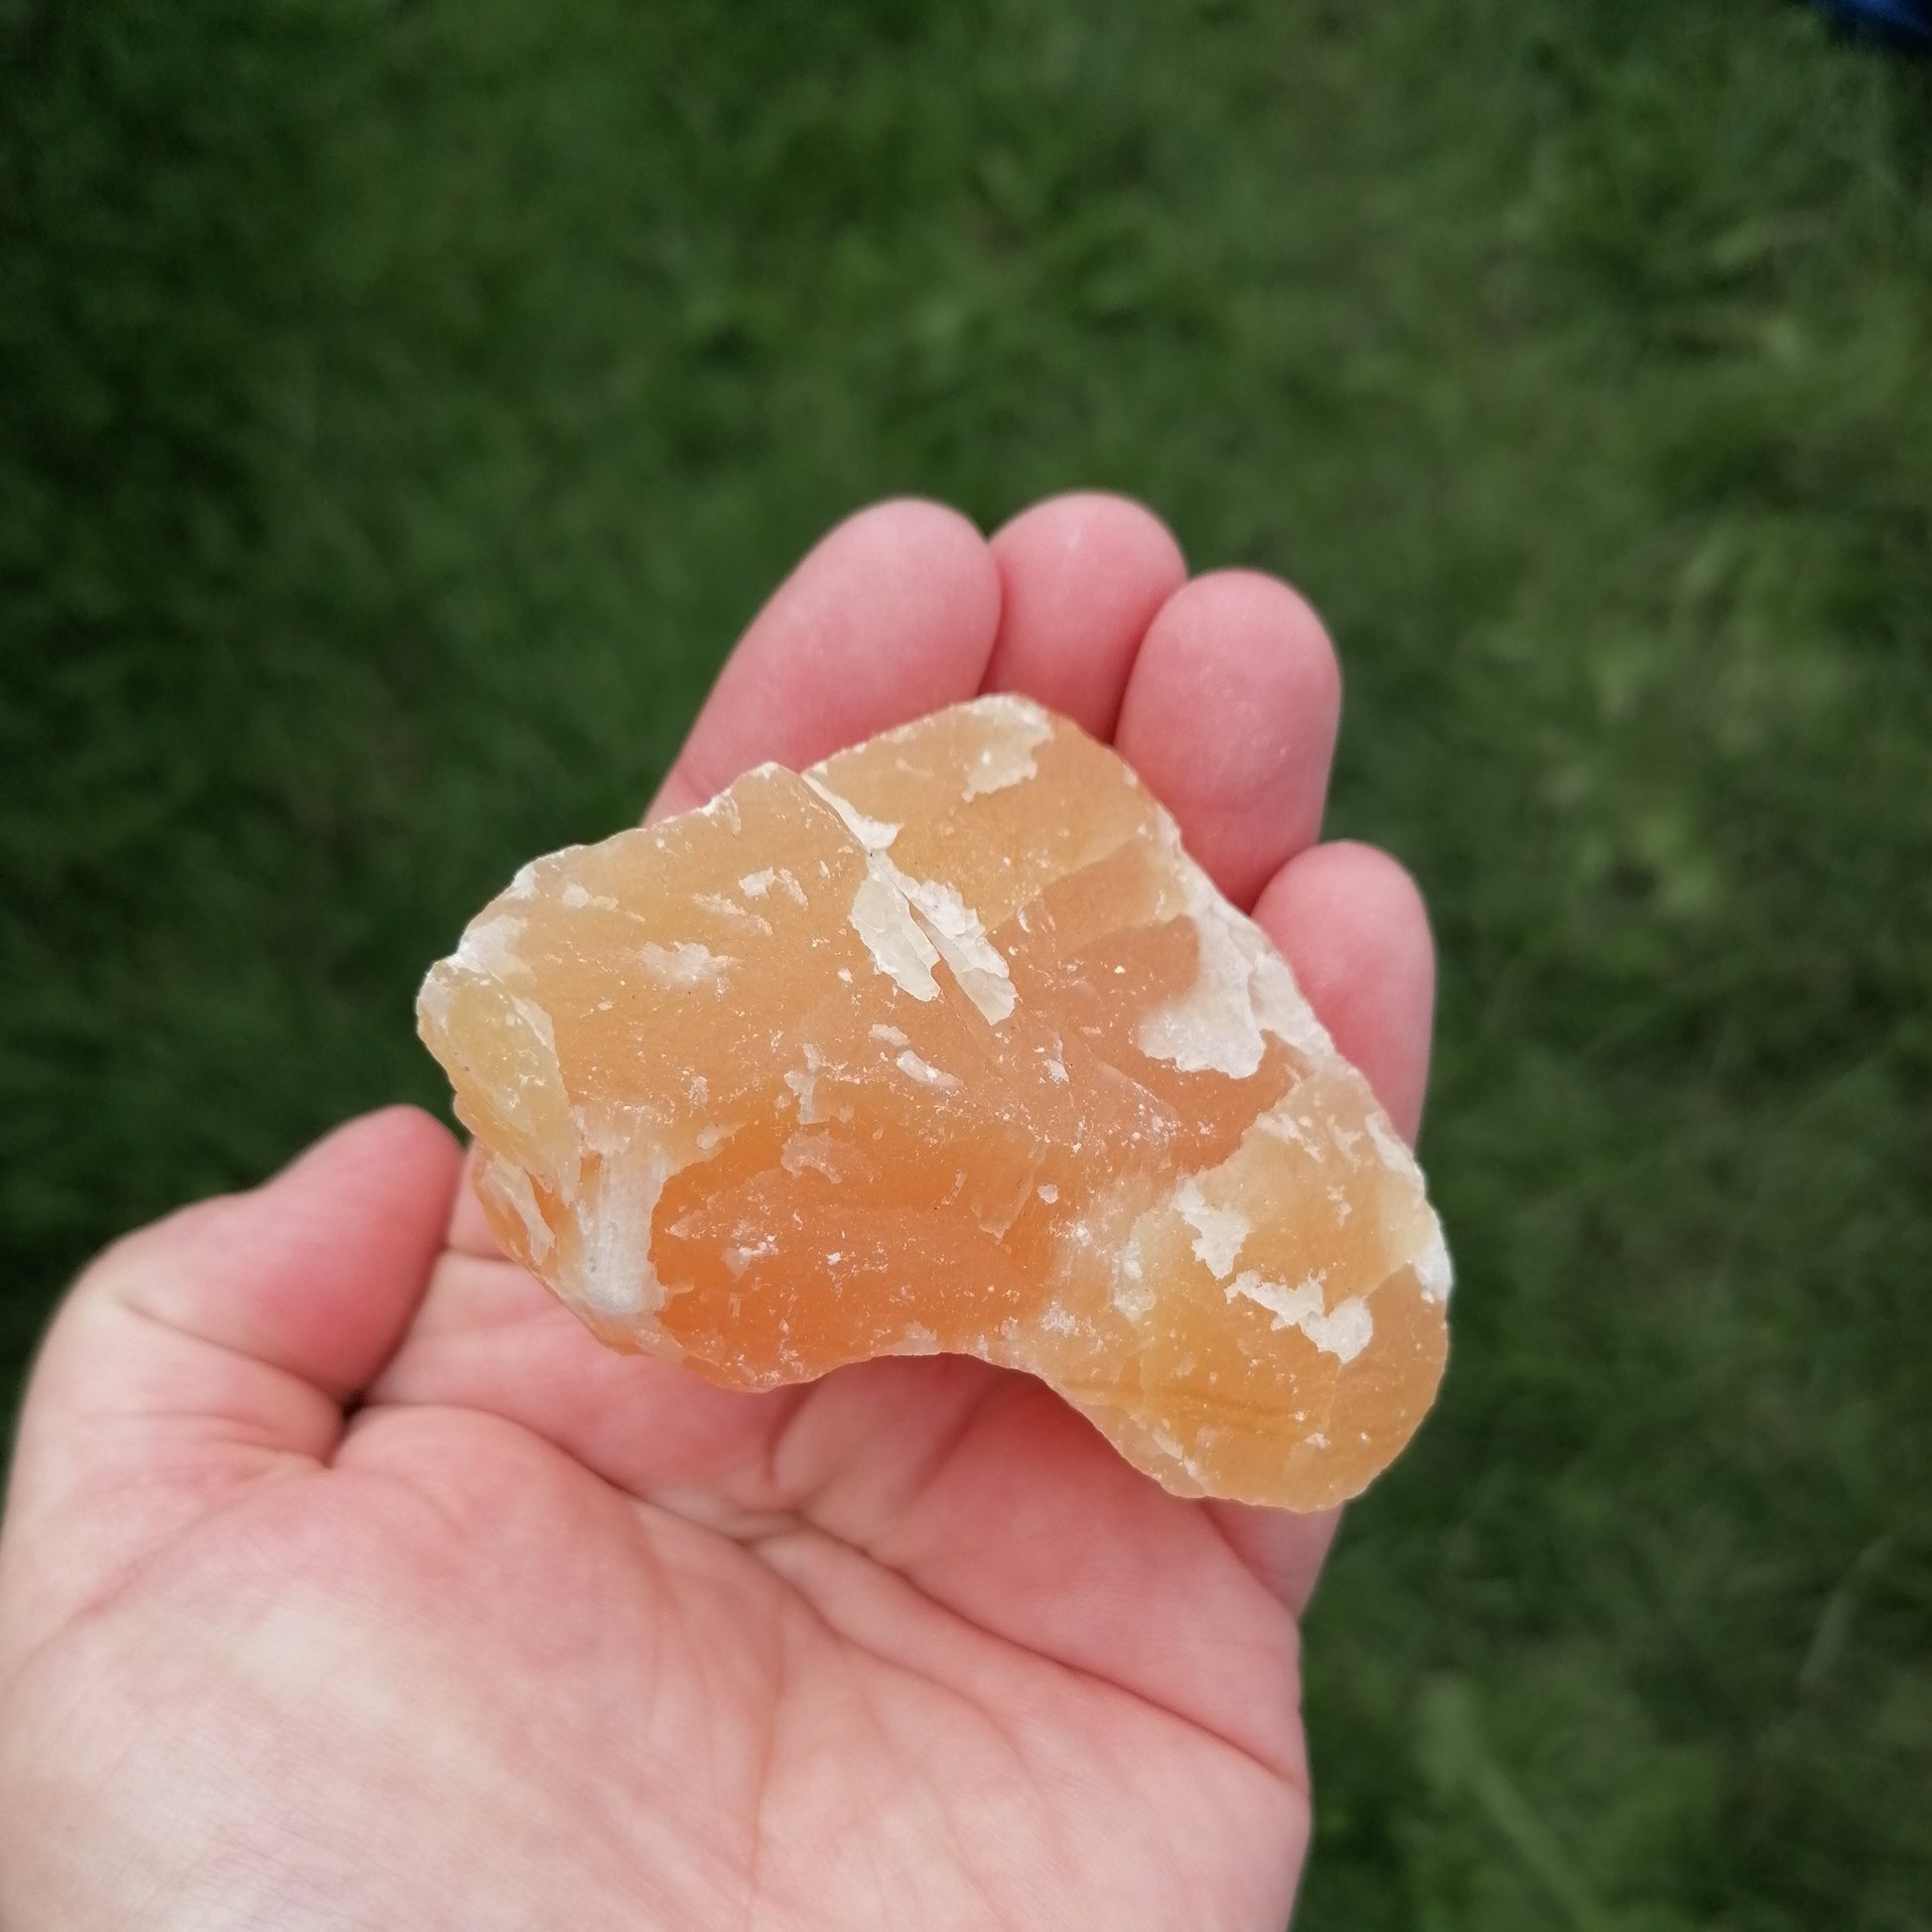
812 1154
1345 1331
1434 1273
538 1020
725 807
891 1036
1218 1231
1047 1193
872 833
1057 1070
490 947
433 998
614 1274
1133 1295
898 946
946 928
1008 759
1391 1147
957 931
1012 707
917 1339
1283 1124
683 963
728 908
1342 1332
909 925
1210 1027
925 1073
803 1082
577 897
755 885
1277 1002
789 885
511 1186
740 1256
1242 990
1287 1305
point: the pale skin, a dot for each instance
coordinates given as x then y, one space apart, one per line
346 1581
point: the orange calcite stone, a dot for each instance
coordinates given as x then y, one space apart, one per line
946 1044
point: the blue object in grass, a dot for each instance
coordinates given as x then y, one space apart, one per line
1906 20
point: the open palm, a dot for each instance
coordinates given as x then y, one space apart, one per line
348 1583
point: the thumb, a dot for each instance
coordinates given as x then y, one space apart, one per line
213 1349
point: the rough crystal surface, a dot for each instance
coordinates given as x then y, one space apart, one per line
947 1044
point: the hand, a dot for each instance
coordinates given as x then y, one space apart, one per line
346 1581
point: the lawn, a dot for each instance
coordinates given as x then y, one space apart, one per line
402 404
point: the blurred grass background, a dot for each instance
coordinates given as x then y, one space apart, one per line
405 402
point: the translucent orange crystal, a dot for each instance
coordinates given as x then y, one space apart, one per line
946 1044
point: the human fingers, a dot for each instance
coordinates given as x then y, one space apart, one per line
1081 577
1230 718
891 616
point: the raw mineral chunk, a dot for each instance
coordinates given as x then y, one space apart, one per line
946 1044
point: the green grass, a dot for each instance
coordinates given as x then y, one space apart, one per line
401 405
